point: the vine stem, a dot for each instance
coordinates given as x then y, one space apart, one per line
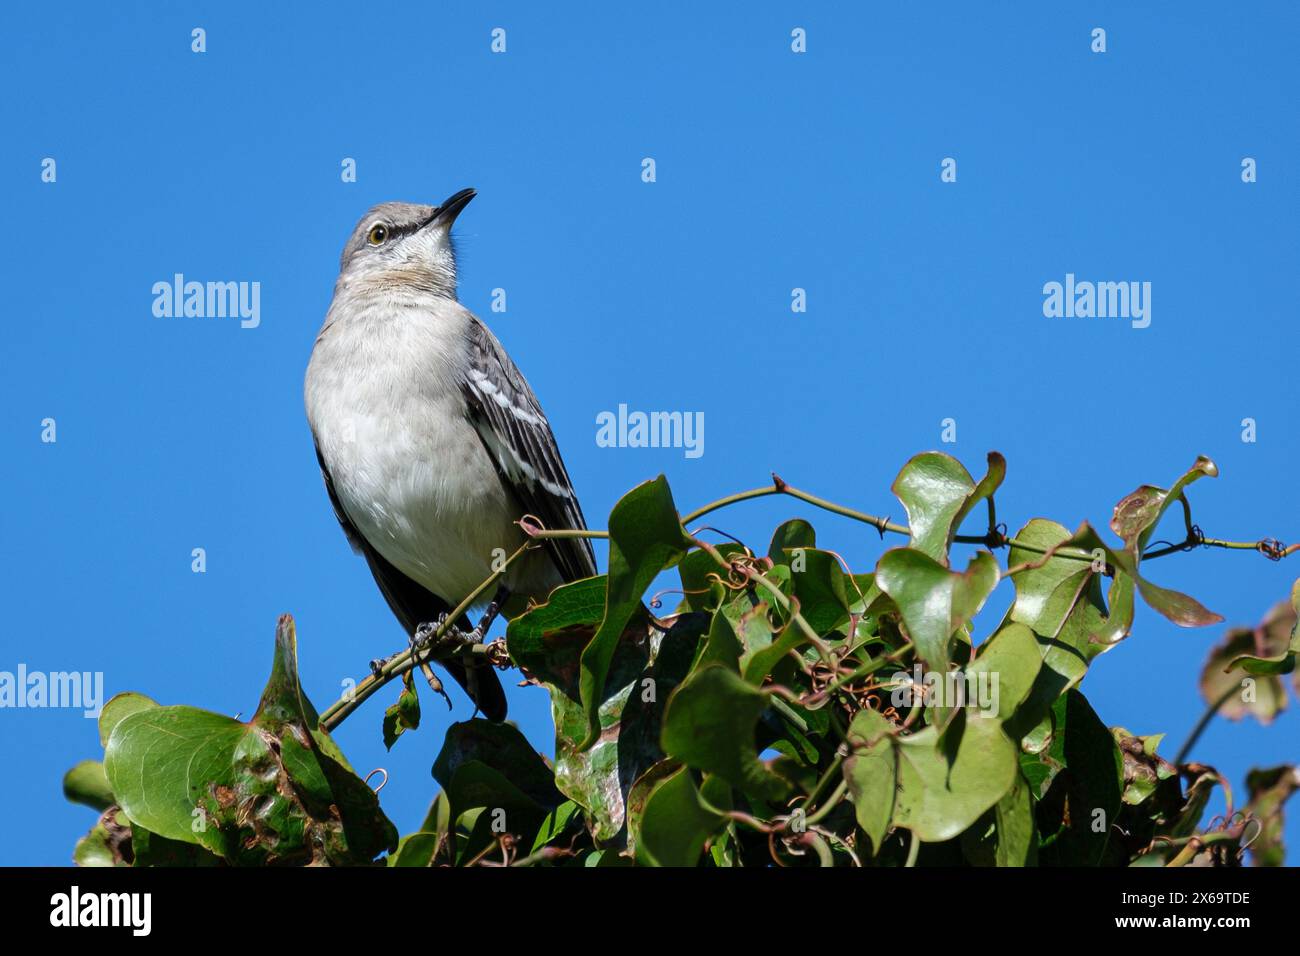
1193 845
402 662
1201 724
913 850
789 606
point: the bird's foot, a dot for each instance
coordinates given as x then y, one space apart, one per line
453 636
377 665
425 633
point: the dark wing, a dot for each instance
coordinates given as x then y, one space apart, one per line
413 604
515 432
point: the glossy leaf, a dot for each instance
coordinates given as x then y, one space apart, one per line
934 601
547 642
1183 610
940 790
645 538
933 487
710 725
118 707
870 771
676 821
274 789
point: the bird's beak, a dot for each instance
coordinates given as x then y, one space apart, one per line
451 208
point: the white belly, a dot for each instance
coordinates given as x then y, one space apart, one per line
409 469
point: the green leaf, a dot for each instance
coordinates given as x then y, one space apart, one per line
85 783
869 771
933 487
1046 590
119 706
1187 817
1060 598
547 643
273 790
1004 835
698 571
941 787
1269 789
526 779
676 821
420 848
821 586
792 534
1183 610
1084 798
490 767
722 644
403 715
934 601
574 607
991 482
415 849
710 725
1007 664
938 493
171 768
563 818
756 665
645 538
1236 692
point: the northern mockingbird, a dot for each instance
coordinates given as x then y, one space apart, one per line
430 441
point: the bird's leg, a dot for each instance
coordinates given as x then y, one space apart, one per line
424 634
419 640
493 609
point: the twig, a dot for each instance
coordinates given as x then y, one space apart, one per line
995 537
405 660
1201 724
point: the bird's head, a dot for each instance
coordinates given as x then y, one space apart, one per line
405 245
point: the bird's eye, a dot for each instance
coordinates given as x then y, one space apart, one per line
378 234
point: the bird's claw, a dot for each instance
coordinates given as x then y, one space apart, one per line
426 633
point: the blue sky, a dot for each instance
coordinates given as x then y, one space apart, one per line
775 170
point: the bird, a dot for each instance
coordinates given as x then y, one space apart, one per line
431 443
